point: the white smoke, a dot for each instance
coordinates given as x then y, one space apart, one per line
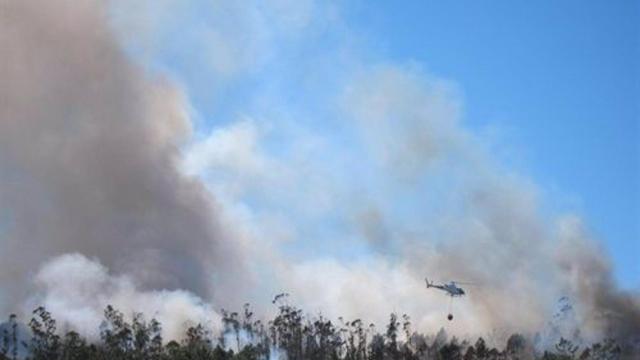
77 290
463 217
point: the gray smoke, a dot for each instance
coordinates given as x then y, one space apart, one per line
589 274
464 217
89 145
491 229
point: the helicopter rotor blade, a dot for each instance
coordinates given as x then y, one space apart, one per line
464 283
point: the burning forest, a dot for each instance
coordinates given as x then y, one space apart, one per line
289 335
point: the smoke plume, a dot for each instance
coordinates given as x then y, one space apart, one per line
88 150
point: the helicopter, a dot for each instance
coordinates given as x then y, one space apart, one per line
452 289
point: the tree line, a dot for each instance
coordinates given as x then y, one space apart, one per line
289 335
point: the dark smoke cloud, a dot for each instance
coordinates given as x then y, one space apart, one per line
88 150
589 276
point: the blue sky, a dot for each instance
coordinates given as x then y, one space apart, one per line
552 87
